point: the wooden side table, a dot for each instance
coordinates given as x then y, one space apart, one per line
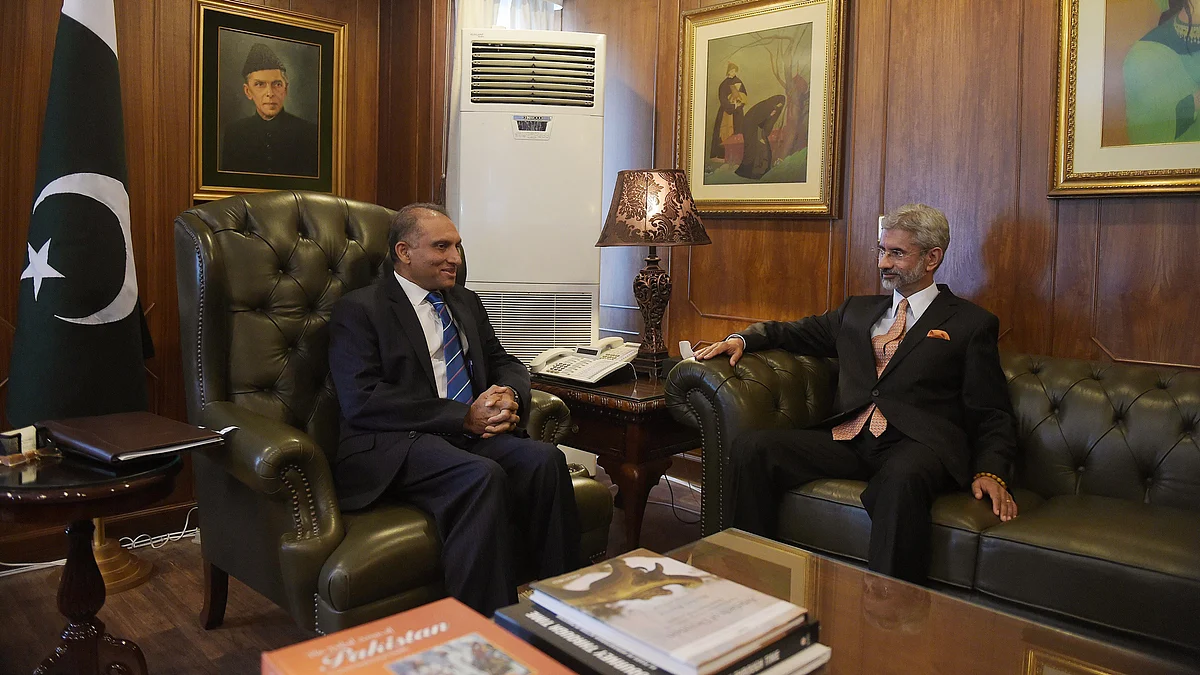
68 490
628 427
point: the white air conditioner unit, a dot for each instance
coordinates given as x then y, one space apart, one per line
525 190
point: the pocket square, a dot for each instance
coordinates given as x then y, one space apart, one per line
939 334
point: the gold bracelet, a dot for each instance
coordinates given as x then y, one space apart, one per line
994 477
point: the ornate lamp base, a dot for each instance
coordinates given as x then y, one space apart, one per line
652 288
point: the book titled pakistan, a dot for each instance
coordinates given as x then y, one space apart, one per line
679 618
442 637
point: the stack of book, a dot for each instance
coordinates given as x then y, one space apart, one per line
642 613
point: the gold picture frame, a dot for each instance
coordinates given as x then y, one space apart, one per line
1042 662
1115 131
281 130
761 88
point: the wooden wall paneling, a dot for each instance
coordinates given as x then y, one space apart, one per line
867 90
362 106
412 52
1031 287
424 44
27 32
629 135
398 162
1075 278
953 135
441 28
1146 307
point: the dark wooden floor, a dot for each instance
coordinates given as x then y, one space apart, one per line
160 615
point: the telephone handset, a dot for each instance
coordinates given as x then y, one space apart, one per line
586 364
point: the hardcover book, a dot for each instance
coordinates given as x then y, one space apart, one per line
668 613
440 638
122 437
584 653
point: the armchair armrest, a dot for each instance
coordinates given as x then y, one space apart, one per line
281 464
549 417
772 389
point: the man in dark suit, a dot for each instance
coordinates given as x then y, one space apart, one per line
430 406
922 405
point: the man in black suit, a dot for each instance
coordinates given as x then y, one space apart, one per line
921 406
430 406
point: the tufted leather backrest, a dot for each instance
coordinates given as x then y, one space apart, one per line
1114 430
258 277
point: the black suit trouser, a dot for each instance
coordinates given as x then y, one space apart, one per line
504 508
903 478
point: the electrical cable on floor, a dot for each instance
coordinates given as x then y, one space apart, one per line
675 509
162 539
126 542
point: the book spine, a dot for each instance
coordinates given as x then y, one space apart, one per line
568 645
780 650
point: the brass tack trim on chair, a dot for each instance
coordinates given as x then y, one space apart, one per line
297 518
704 443
317 615
203 288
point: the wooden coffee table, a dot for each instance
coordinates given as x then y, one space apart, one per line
878 625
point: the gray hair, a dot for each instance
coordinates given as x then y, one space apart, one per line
404 224
927 225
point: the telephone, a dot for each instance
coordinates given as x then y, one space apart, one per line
586 364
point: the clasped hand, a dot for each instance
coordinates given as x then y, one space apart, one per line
492 412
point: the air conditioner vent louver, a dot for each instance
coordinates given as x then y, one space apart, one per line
533 74
528 323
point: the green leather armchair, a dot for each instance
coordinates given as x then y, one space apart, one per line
257 277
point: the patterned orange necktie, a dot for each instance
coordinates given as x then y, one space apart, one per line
885 346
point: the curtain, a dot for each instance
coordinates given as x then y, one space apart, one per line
531 14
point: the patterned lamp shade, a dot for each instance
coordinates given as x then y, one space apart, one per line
652 207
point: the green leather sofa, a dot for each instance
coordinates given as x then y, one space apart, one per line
257 277
1108 483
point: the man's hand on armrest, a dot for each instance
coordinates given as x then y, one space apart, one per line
1003 504
734 346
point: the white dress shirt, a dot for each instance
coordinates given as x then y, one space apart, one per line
431 325
917 304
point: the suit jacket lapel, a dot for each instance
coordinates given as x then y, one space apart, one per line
943 307
410 325
467 325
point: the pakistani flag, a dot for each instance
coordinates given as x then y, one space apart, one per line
78 346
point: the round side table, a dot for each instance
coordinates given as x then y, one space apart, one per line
71 490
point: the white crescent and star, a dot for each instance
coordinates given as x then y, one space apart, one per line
100 18
111 193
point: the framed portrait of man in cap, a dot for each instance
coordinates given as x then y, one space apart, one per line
269 100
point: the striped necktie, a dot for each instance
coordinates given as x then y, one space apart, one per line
885 346
458 380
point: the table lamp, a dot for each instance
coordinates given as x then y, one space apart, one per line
652 207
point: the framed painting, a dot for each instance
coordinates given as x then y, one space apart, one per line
1128 98
760 109
269 101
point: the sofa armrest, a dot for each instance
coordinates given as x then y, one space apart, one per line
549 417
280 464
772 389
